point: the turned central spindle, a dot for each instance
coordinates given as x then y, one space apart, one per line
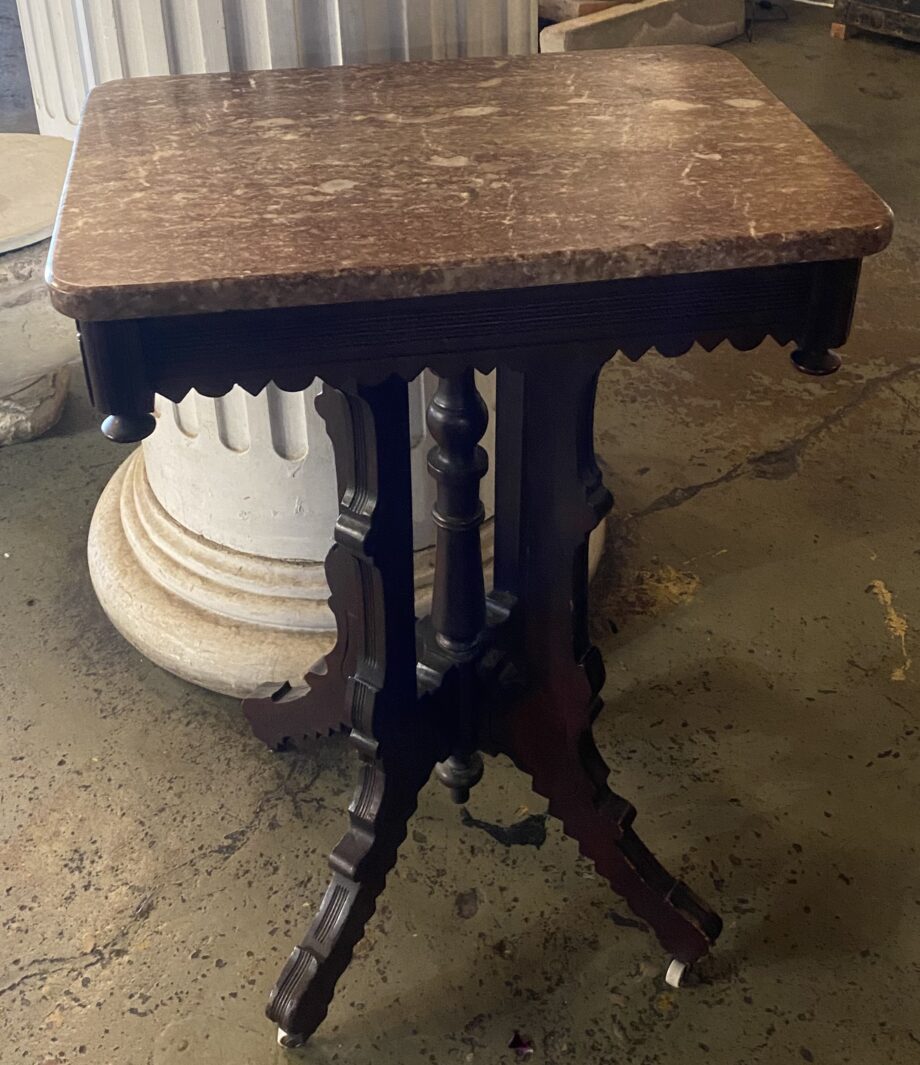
457 419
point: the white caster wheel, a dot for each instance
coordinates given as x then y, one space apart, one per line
676 973
289 1042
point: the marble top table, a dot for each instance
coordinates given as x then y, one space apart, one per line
292 187
531 215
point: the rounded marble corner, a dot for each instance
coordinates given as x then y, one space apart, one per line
872 238
102 91
66 298
885 229
64 303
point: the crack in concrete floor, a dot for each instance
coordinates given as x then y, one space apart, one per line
781 461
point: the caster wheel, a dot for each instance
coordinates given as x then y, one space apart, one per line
288 1041
676 973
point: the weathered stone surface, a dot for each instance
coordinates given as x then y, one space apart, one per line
648 22
558 10
33 409
32 170
36 343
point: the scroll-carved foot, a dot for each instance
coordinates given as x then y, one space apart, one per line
286 716
385 799
600 821
818 362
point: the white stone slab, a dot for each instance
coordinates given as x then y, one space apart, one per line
32 170
558 10
36 343
648 22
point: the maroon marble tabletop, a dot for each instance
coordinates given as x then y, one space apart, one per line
287 187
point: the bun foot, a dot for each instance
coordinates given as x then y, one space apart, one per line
128 429
816 363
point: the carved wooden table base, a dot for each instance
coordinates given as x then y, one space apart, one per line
364 224
512 672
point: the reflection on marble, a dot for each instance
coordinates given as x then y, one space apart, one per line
287 187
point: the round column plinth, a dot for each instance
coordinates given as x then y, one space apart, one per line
214 615
221 618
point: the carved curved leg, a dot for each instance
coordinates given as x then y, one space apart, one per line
370 430
385 799
545 515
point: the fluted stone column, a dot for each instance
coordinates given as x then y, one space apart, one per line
72 45
206 547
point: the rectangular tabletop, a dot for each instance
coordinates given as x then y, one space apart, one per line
296 187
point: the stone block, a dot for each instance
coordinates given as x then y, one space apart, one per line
36 343
648 22
560 10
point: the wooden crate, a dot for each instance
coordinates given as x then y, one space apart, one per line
896 18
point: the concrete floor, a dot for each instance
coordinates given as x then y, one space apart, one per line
757 608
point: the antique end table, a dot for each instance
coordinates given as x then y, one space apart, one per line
531 216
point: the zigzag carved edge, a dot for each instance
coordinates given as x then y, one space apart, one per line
346 374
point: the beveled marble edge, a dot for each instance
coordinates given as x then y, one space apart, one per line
438 279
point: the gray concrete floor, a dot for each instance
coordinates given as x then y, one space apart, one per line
761 710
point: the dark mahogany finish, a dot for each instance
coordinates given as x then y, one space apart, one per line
512 671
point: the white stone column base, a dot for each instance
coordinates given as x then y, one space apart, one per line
217 617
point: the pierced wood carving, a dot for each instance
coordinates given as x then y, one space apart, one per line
283 715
